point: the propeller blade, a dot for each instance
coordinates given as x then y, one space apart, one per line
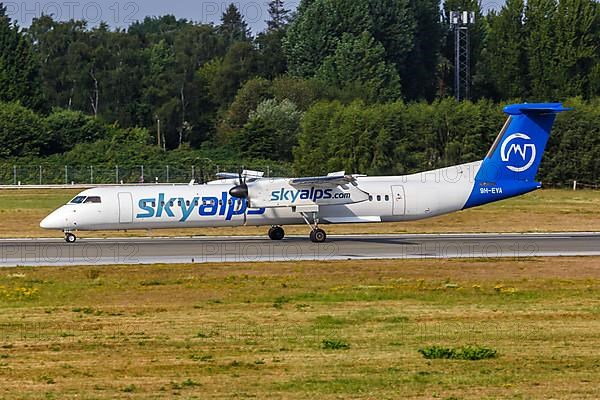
241 190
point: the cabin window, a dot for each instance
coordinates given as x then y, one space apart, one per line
78 200
370 198
229 202
220 202
153 204
93 199
171 204
187 203
378 197
387 197
196 202
162 203
178 203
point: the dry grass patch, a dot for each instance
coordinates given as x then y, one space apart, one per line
302 330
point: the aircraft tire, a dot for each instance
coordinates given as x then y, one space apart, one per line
70 238
318 236
276 233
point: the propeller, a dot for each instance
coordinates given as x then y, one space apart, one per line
240 191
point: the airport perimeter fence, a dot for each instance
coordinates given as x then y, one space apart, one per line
123 174
17 175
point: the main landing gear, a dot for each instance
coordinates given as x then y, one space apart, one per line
276 233
317 235
70 238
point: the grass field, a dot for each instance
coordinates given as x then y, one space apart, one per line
545 210
301 330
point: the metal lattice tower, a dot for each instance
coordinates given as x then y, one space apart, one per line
460 21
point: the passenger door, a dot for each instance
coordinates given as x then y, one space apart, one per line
398 200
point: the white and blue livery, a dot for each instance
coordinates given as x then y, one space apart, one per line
508 170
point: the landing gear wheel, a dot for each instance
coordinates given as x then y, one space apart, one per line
318 235
276 233
70 238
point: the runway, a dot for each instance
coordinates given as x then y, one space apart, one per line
48 252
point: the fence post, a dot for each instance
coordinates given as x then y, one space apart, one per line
167 174
40 175
91 174
193 171
66 175
574 185
15 175
142 176
117 174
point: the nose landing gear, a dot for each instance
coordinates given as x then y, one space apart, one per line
276 233
70 238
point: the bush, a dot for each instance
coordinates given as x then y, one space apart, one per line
335 344
22 132
460 353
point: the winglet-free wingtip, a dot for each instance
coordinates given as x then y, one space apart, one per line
533 108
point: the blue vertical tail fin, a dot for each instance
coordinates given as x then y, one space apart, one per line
510 167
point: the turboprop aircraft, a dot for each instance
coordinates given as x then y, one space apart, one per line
249 198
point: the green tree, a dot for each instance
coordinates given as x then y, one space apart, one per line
19 70
577 24
256 140
225 76
319 25
233 28
67 128
393 25
250 95
272 60
22 132
418 74
283 119
539 26
358 66
278 16
505 56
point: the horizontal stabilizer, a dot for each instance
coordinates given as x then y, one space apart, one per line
533 108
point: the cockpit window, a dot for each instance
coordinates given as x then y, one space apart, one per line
93 199
78 200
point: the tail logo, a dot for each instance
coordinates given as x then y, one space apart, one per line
514 146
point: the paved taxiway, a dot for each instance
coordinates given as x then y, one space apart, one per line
34 252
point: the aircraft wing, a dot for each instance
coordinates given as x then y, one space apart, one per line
227 175
330 181
245 173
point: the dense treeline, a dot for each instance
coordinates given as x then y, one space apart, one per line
362 86
403 138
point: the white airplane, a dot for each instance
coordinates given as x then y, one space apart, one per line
508 170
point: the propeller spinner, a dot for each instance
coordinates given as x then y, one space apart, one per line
241 190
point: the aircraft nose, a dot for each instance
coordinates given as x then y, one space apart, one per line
53 221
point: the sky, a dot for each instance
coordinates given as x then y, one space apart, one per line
121 13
